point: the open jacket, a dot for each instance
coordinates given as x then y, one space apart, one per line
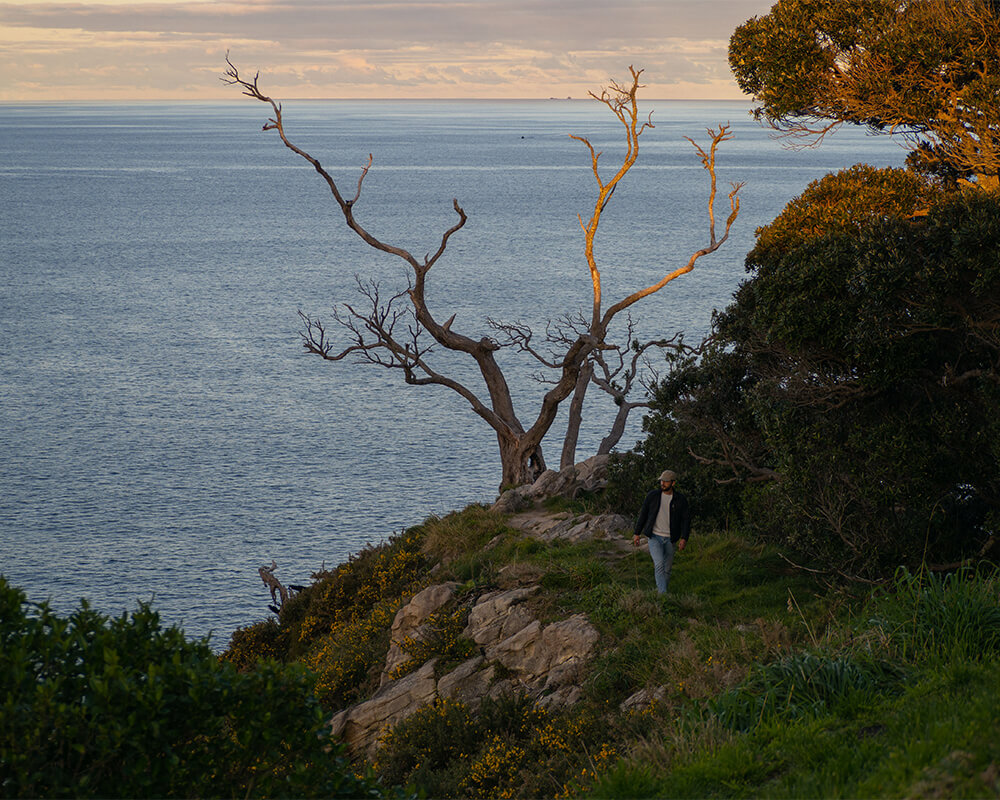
680 516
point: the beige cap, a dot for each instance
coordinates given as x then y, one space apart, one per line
668 475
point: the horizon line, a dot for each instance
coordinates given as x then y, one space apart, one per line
96 100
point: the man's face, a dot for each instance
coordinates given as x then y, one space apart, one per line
667 485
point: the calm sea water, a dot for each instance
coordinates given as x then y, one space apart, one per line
163 434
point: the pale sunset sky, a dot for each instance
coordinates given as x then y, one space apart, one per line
175 49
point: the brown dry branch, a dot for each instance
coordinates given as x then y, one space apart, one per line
385 333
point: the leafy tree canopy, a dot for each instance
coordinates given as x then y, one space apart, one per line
849 393
928 69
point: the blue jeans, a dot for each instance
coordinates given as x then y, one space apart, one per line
662 551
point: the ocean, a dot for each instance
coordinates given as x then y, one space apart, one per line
163 433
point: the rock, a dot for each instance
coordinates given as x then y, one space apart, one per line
568 642
572 527
517 652
555 484
543 486
587 476
498 615
547 656
592 474
468 682
507 687
544 661
361 726
566 672
643 699
513 500
586 527
561 698
409 621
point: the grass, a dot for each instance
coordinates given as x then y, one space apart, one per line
937 739
900 701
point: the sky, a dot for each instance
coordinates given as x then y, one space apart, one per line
175 49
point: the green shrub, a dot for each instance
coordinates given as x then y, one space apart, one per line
802 684
99 707
461 532
954 616
421 748
628 779
507 747
378 573
338 598
347 662
262 640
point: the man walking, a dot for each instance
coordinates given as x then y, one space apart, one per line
665 519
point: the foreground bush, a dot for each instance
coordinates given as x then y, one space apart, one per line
99 707
507 748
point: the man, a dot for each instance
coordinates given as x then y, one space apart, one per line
665 519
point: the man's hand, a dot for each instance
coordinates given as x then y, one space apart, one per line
682 544
635 540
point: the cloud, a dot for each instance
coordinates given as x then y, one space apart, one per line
342 48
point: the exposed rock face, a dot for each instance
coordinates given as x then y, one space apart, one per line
643 699
469 682
410 621
544 661
587 476
547 657
572 527
499 615
361 725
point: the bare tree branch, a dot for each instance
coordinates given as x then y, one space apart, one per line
392 332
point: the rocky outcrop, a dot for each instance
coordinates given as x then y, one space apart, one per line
499 615
549 657
361 725
543 661
572 527
587 476
471 681
410 622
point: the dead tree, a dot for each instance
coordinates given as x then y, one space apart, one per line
279 594
620 376
399 332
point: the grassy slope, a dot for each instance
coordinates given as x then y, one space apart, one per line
931 730
770 683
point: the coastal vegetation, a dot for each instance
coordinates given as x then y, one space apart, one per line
926 71
97 707
755 678
844 404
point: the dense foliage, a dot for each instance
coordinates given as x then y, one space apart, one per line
929 69
339 624
507 747
98 707
849 392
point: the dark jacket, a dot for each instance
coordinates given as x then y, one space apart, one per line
680 516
